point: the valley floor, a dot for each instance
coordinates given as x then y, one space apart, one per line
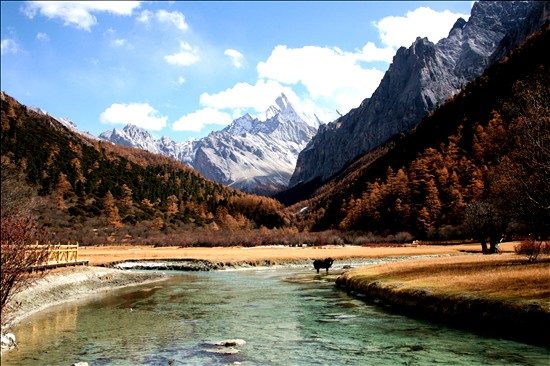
104 255
498 290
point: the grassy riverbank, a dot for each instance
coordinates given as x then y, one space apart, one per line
505 294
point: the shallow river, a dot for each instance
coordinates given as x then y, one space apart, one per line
286 317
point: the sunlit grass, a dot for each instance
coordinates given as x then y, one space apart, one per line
505 276
233 255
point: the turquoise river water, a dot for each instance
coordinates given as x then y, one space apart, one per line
285 316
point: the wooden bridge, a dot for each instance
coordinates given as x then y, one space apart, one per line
59 255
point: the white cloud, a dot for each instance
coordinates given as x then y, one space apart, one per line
181 80
327 73
9 45
139 114
332 78
197 120
174 18
78 13
371 52
256 99
145 16
236 57
41 36
340 79
118 42
246 96
187 55
422 22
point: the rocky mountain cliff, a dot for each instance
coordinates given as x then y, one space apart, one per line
251 154
419 79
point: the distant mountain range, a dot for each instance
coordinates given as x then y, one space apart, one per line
419 80
251 154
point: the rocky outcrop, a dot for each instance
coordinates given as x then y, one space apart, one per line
419 79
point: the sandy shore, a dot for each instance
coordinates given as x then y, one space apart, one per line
73 283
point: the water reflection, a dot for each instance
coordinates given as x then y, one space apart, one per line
286 318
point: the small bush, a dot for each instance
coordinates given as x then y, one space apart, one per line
403 237
532 248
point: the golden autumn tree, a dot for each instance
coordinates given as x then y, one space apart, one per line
126 198
172 205
62 188
525 172
111 210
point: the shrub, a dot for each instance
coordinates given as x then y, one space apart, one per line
17 234
403 237
532 248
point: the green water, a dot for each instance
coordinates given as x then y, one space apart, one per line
286 317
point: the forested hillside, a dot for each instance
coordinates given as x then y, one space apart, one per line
478 163
95 191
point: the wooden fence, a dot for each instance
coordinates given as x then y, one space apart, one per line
58 253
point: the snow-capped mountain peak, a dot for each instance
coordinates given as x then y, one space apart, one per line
250 154
284 109
64 121
241 125
38 110
133 136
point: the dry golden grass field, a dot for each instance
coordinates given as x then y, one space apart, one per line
502 277
101 255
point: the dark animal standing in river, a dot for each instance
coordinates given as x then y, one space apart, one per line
323 263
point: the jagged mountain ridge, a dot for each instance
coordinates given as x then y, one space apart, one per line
251 154
419 79
504 84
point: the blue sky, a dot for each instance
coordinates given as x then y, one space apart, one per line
183 69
